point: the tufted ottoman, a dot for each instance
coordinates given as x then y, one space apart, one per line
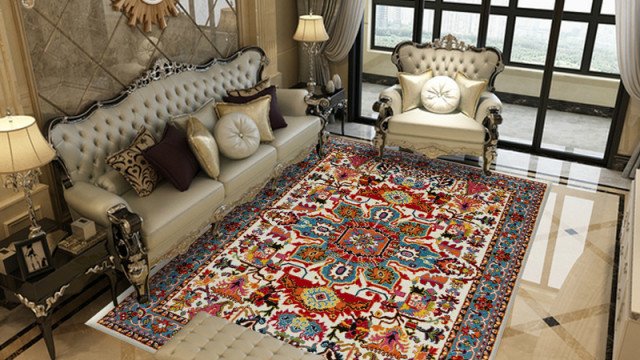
209 337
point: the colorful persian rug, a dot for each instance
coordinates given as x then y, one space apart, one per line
352 258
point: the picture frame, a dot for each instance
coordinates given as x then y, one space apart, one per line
34 257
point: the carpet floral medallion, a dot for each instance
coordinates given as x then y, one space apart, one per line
353 258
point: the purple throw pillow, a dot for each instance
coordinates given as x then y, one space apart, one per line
173 159
275 115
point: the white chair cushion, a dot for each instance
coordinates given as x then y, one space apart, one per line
241 176
455 126
237 135
440 95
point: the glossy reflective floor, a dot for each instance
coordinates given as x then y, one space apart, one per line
560 310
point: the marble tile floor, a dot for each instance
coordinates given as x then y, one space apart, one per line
560 310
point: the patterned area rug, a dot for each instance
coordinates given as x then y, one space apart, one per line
353 258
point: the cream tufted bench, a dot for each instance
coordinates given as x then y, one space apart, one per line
208 337
440 134
173 219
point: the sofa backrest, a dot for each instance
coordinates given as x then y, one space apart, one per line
447 57
168 89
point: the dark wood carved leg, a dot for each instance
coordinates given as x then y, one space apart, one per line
132 254
113 281
44 322
489 154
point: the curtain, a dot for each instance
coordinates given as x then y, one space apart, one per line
342 20
628 44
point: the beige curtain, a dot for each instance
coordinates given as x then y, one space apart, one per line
628 44
342 20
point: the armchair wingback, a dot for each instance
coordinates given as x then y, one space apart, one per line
440 134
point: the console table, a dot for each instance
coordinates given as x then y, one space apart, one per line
627 316
42 293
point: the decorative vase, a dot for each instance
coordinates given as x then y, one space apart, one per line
337 81
330 87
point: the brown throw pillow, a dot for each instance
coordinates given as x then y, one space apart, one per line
130 162
252 90
275 115
173 159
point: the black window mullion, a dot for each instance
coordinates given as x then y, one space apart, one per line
547 76
484 23
508 35
418 18
437 19
590 42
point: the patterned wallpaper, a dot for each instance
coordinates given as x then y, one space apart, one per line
83 51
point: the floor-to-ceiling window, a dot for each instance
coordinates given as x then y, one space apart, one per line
561 83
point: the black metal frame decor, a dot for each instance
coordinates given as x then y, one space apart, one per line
45 260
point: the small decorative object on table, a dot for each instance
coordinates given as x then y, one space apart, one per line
76 244
330 87
8 262
83 228
33 256
337 81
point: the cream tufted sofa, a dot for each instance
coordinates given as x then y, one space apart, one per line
173 219
441 134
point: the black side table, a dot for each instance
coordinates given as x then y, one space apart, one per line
42 293
323 104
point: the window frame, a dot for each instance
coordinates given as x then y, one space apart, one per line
512 11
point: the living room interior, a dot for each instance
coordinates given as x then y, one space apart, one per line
319 179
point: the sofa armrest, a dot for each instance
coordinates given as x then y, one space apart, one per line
391 98
292 101
488 103
92 202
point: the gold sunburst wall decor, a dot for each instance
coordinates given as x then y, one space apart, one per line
147 12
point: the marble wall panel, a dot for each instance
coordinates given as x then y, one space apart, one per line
83 51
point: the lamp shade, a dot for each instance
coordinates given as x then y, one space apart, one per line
22 146
311 29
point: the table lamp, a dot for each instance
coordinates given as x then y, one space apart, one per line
23 150
311 32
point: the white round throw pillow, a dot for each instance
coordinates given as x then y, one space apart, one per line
237 135
440 95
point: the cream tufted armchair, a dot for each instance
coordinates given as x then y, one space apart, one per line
441 134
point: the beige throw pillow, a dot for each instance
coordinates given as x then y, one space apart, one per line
257 110
252 90
411 85
205 114
204 147
470 91
131 164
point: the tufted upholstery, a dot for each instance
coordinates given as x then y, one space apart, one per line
470 129
208 337
83 145
474 64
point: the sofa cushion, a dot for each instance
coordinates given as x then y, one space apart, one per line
257 110
113 182
454 126
411 87
240 176
204 147
237 136
133 166
206 114
470 91
275 115
173 159
440 95
167 210
301 133
252 90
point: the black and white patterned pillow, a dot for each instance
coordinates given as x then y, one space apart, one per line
133 166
